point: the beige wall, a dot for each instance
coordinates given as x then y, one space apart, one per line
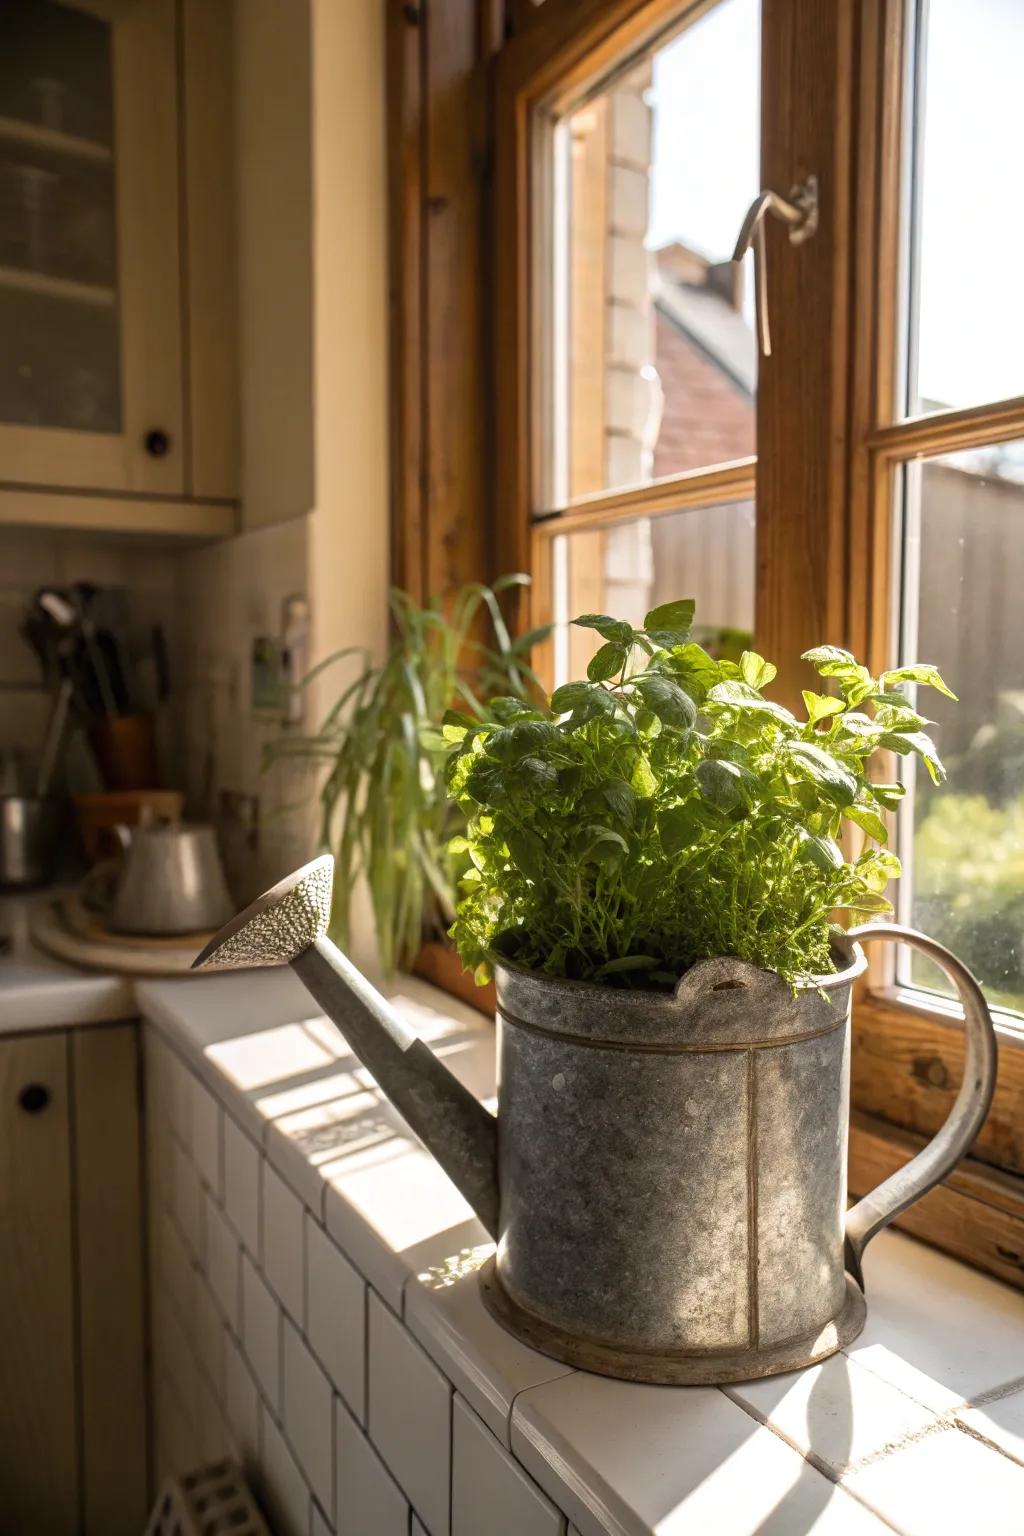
349 528
331 435
275 234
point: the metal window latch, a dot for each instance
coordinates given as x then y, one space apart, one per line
800 211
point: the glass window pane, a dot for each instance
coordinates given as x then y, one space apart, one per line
59 317
967 310
704 552
964 881
652 362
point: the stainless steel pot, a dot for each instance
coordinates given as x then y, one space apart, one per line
171 881
29 828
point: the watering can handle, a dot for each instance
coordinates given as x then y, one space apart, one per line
964 1120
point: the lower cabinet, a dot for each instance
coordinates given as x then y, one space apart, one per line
73 1430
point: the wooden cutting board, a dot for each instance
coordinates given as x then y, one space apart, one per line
87 923
66 929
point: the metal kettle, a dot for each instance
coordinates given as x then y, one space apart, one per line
171 881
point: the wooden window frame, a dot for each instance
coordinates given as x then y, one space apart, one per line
825 478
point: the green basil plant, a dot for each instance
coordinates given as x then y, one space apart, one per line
665 810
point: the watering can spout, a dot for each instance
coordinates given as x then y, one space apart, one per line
289 923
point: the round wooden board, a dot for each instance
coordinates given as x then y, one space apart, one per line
137 957
88 924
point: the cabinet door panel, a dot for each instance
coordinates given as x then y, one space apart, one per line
108 1200
90 304
38 1443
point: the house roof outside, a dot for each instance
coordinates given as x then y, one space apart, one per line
706 358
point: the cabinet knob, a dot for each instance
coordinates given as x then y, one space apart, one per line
34 1098
157 443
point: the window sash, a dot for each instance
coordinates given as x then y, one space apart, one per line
825 479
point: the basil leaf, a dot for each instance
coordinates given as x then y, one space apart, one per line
837 782
677 616
607 662
610 629
666 699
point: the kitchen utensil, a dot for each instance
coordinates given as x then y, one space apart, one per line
98 814
12 772
171 881
162 664
29 829
124 747
666 1178
72 617
54 738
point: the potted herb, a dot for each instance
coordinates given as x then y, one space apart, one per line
618 838
384 810
654 864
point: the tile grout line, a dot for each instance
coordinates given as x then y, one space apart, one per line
812 1460
993 1395
992 1445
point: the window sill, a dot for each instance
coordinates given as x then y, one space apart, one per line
918 1426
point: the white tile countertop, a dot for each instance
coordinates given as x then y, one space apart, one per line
37 992
918 1427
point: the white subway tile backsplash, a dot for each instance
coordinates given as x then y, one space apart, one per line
180 1099
173 1359
307 1410
241 1404
282 1241
187 1200
282 1485
215 1440
209 1338
176 1432
336 1316
261 1332
444 1310
409 1416
242 1184
368 1498
173 1268
222 1253
319 1525
490 1491
206 1137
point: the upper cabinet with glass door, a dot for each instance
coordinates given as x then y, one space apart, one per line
90 302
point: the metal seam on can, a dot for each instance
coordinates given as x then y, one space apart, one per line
668 1047
754 1324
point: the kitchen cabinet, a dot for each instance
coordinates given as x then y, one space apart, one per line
73 1441
118 342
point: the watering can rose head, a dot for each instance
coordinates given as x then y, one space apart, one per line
665 811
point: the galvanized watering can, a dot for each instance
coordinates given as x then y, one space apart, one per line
666 1177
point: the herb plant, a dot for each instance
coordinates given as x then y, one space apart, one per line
384 810
664 810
